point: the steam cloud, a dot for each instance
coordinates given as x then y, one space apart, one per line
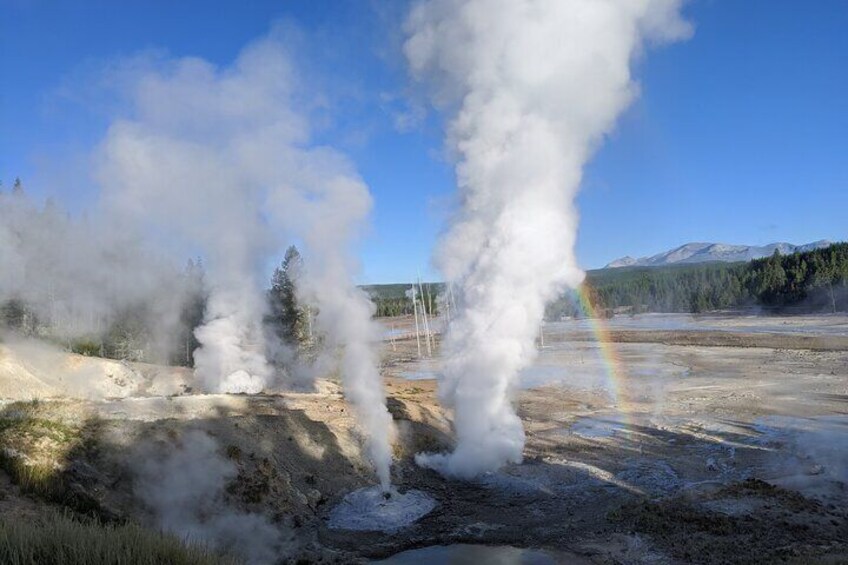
531 88
181 163
222 159
185 491
77 276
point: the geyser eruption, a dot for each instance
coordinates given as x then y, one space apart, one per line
179 164
328 208
221 160
531 88
345 318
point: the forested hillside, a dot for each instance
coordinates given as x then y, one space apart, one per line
813 281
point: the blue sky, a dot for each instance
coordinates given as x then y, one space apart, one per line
740 134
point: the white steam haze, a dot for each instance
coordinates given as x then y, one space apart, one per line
530 88
77 276
184 487
223 159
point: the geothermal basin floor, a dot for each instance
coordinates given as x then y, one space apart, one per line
692 448
677 453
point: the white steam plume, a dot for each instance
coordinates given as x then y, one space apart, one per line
327 211
531 87
222 158
178 164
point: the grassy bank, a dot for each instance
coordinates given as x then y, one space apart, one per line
62 540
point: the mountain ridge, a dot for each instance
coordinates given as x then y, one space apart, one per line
703 252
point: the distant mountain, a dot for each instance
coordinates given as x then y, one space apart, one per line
706 252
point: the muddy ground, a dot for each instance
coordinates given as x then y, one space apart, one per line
661 446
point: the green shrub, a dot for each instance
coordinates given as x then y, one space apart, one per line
87 347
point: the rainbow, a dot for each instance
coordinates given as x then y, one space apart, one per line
613 367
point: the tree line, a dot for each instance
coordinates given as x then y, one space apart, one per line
396 299
813 281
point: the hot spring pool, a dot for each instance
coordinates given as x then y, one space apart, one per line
463 554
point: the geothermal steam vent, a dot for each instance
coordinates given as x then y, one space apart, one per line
373 509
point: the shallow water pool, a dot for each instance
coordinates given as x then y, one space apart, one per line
464 554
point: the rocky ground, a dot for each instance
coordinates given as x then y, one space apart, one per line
674 448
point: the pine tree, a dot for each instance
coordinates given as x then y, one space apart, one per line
287 317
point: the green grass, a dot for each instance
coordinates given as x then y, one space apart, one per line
62 540
36 479
34 450
38 427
